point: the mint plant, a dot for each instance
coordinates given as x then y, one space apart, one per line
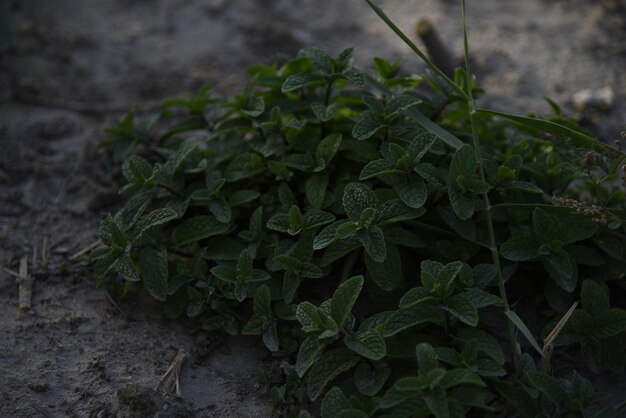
375 228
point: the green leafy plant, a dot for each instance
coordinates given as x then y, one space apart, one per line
373 228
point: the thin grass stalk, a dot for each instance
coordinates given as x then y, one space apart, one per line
495 254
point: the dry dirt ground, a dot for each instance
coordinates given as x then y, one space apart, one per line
75 66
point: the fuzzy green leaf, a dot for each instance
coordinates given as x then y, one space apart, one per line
241 197
334 403
326 150
388 274
197 228
462 203
356 198
378 168
463 309
369 381
367 343
412 193
344 299
154 272
270 338
220 208
297 81
309 351
316 190
373 241
458 377
367 126
126 268
562 269
329 366
324 113
479 298
521 248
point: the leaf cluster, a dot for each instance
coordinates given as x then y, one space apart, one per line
346 217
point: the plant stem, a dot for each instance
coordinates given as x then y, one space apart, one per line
495 255
327 96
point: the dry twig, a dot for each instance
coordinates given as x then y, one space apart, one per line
170 381
26 285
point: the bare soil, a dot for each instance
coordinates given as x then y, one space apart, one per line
75 66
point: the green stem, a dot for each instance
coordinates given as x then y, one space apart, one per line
495 254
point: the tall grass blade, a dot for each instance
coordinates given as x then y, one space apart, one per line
416 49
578 138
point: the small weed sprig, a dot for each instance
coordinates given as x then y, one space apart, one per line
372 238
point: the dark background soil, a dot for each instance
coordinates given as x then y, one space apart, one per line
72 67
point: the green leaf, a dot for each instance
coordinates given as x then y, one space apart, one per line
377 168
367 343
328 235
326 149
134 208
409 317
316 190
427 359
517 321
262 302
415 296
241 197
373 241
324 113
355 75
219 207
562 269
594 297
462 203
310 350
463 309
329 366
125 267
548 385
270 338
279 222
314 218
367 126
174 162
313 319
338 250
197 228
458 377
334 402
463 164
295 220
521 248
356 198
369 381
609 323
225 273
153 270
388 274
136 168
254 326
479 298
297 81
412 193
243 272
344 299
438 403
